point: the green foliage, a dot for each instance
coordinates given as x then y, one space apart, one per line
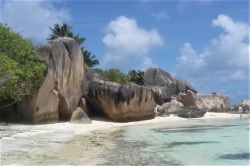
114 75
136 77
86 67
89 59
64 31
21 67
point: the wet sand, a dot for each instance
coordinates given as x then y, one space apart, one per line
70 144
56 148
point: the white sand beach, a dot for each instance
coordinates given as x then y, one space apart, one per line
70 144
104 123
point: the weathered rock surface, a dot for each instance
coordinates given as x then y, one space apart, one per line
60 92
214 102
80 117
164 85
244 104
191 112
85 106
119 103
170 107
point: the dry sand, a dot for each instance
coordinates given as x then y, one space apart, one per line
70 144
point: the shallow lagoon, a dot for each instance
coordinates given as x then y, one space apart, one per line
190 142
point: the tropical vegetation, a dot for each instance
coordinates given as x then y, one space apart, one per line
115 75
21 67
65 31
136 77
90 60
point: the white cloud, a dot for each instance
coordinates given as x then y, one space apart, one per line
189 57
231 46
127 44
33 18
147 63
225 59
161 15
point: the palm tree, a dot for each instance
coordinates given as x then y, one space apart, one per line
136 76
89 59
64 31
140 77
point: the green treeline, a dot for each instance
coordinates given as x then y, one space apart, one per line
115 75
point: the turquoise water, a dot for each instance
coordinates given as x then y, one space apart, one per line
190 142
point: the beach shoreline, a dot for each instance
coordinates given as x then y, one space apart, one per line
72 144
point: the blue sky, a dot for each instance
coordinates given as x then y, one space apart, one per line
203 42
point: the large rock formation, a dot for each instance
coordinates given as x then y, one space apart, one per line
118 102
80 117
191 112
170 107
177 108
214 102
244 104
60 92
164 85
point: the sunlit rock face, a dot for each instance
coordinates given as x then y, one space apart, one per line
80 117
170 107
164 85
191 112
119 103
60 93
244 104
214 102
177 108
